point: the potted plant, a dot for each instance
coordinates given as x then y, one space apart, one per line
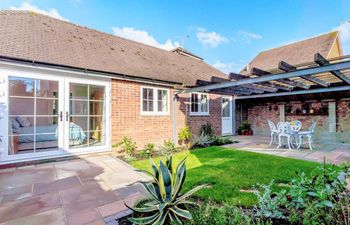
244 128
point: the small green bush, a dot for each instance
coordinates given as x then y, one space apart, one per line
168 148
314 199
206 130
127 145
211 214
185 136
147 151
218 140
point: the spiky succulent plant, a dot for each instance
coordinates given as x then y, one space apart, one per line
166 201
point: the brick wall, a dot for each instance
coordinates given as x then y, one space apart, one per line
258 114
127 121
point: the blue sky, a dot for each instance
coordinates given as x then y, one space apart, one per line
227 34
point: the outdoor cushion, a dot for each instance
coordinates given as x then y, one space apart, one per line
15 124
23 121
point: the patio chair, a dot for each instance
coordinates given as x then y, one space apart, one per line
285 132
309 134
274 131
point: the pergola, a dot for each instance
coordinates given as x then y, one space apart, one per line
319 76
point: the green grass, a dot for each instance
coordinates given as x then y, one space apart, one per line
227 171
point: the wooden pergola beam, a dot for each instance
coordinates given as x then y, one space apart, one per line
250 88
320 60
259 72
286 67
237 90
266 86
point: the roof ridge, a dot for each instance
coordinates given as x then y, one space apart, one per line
85 27
298 41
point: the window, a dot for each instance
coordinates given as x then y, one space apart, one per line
154 101
199 104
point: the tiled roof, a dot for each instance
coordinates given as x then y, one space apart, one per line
32 36
294 53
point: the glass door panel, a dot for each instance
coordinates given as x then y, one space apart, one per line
34 124
86 115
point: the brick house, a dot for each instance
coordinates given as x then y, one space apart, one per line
68 89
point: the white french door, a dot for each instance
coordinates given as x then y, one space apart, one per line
51 115
85 115
226 115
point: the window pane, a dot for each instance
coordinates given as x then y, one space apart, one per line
46 88
46 106
78 91
204 103
46 124
162 101
77 124
194 102
97 92
78 107
96 123
21 106
147 99
46 142
96 138
21 86
225 107
21 144
96 108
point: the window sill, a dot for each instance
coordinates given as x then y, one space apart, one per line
199 114
154 114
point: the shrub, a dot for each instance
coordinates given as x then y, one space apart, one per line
204 140
222 140
147 151
206 130
211 214
185 136
314 199
166 203
127 145
168 148
244 126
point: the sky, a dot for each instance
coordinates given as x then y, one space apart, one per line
227 34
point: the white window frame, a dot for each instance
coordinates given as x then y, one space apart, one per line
199 113
155 102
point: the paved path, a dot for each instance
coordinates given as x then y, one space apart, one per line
89 190
337 155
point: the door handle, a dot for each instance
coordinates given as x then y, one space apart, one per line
67 115
61 116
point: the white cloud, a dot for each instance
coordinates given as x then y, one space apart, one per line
228 67
27 6
248 36
143 37
210 39
344 29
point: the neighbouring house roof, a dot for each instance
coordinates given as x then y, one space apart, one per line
31 36
294 53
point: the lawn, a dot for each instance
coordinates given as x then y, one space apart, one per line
228 171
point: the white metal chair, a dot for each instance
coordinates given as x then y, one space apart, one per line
274 131
309 134
285 132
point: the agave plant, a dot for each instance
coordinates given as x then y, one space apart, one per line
204 140
166 201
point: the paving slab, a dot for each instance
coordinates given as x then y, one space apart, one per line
72 192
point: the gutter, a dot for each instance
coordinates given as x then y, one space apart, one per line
91 72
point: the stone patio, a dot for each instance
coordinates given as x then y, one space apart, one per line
338 153
88 190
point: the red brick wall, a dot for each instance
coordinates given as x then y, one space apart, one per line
127 121
259 114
